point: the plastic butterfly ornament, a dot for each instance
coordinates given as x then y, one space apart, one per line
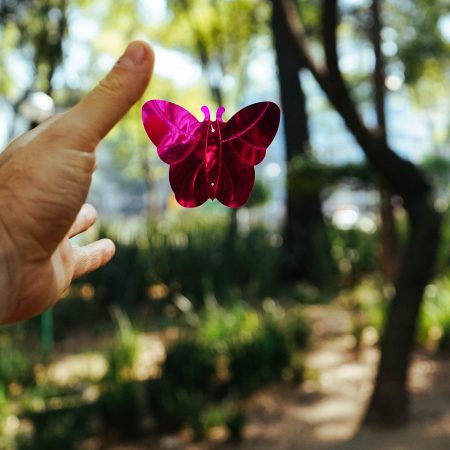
211 159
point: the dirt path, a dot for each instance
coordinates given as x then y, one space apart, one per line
324 414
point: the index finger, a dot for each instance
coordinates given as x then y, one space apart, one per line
94 116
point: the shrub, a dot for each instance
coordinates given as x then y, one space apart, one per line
261 359
235 422
444 342
190 365
367 306
434 319
124 280
228 355
163 254
354 252
120 409
3 408
175 406
123 356
57 429
298 329
14 367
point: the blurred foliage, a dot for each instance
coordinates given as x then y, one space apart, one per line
123 356
220 39
164 256
227 355
434 321
55 429
220 357
154 271
355 253
419 32
308 175
3 409
38 28
15 367
120 410
367 303
60 418
259 196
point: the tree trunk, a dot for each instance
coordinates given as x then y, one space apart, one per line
389 258
389 404
306 247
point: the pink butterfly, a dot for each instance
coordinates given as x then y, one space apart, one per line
211 159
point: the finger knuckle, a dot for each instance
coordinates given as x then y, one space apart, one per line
112 85
115 88
87 161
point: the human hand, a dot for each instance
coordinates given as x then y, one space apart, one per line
45 176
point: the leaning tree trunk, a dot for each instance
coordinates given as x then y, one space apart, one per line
305 243
389 403
390 400
389 257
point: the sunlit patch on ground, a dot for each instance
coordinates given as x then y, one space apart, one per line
151 354
71 369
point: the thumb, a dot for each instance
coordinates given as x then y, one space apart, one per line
91 119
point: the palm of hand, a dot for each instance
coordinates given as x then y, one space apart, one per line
47 185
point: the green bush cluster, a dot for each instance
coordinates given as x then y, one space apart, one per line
120 409
14 366
229 355
56 429
221 357
225 259
124 353
355 254
368 306
62 418
3 408
434 320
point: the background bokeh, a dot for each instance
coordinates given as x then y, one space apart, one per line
260 327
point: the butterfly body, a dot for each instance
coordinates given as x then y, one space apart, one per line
213 153
211 159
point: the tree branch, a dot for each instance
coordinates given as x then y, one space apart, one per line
338 92
330 24
378 79
295 27
404 178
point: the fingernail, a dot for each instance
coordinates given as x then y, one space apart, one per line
89 211
133 56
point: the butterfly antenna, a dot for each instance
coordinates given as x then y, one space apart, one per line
219 113
205 111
